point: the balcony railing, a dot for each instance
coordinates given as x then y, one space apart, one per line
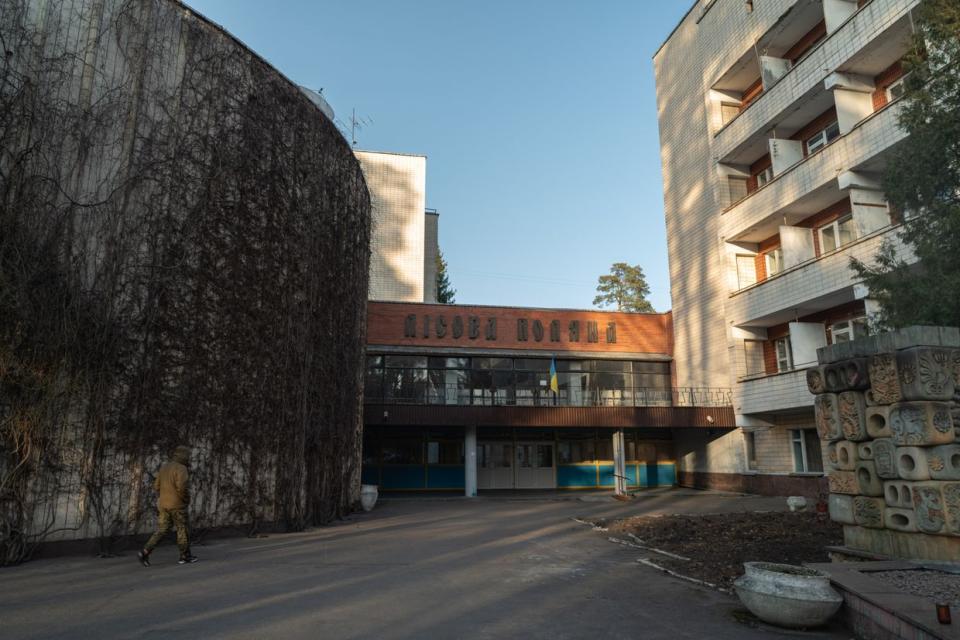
457 395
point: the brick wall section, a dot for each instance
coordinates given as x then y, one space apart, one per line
883 80
817 124
756 169
806 43
635 332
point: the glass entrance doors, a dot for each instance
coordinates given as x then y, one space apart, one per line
535 469
495 465
528 465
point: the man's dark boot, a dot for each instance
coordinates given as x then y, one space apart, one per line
187 558
144 557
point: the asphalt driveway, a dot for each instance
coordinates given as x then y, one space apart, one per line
413 568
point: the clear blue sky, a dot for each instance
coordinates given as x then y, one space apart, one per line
537 117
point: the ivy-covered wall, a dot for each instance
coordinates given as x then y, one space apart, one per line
184 245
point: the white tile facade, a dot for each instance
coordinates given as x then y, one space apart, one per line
397 185
693 143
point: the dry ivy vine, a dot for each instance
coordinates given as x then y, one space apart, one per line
183 259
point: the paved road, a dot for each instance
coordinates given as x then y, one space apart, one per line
487 568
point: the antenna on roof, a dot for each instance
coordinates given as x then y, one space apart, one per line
357 125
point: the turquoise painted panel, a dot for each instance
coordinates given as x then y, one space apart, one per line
445 477
576 476
647 474
666 475
607 477
370 475
411 477
632 475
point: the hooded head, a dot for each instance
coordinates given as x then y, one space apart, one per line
182 455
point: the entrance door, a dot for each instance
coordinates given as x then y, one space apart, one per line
494 465
535 466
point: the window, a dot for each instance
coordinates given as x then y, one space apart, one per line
750 442
445 452
774 260
806 451
784 354
746 271
764 176
896 89
827 135
837 234
849 330
738 188
753 351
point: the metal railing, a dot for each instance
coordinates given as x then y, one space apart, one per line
457 395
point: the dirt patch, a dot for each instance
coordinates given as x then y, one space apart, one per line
718 545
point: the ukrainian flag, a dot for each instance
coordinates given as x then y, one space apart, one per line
554 383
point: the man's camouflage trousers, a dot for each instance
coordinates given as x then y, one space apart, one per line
166 519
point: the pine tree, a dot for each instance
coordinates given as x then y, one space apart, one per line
445 293
923 182
625 287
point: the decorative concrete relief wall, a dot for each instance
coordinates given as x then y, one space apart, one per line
887 413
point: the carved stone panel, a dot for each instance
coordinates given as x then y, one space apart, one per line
925 373
900 519
832 455
841 508
865 450
867 479
884 384
951 504
847 375
921 423
898 493
826 410
815 380
852 416
868 512
928 503
885 458
843 482
912 463
878 421
944 462
846 455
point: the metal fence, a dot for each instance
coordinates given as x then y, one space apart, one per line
457 395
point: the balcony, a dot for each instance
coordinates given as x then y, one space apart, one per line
772 394
851 48
812 286
454 395
810 185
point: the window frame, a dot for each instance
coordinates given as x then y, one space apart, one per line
835 226
773 257
765 177
898 83
788 354
799 439
849 330
822 137
750 449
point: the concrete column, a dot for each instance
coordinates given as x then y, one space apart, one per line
470 462
619 462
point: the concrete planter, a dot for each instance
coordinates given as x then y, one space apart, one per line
787 596
368 496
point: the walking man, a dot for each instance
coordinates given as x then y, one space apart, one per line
174 496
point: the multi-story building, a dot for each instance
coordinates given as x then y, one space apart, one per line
776 120
403 242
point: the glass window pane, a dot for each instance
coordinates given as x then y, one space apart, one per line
832 132
848 231
828 239
814 455
492 363
544 456
529 364
613 365
402 451
406 362
605 446
445 452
